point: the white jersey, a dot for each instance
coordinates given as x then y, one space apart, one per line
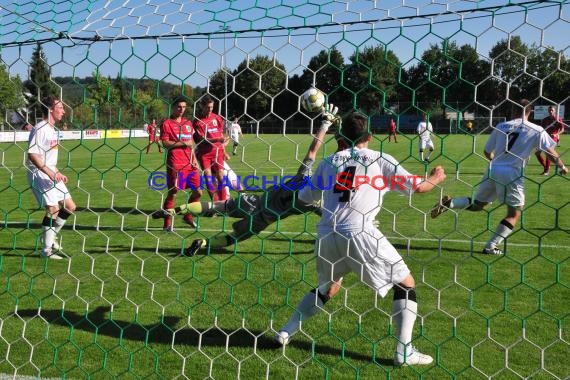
235 131
512 143
425 130
44 142
347 202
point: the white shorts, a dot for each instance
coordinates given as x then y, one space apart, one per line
46 193
503 183
426 144
368 254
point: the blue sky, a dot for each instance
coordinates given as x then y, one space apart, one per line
187 42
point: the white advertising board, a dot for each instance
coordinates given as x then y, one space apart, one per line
86 134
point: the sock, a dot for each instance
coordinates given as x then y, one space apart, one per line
194 197
461 203
168 205
211 186
541 160
404 313
222 194
422 156
310 305
60 220
504 229
547 164
48 232
169 202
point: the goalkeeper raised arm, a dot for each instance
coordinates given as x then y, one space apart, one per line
257 212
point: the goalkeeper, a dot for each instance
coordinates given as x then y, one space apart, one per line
257 212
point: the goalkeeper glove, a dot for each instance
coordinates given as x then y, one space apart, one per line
329 116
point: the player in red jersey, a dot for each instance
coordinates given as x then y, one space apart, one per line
153 136
554 126
392 130
181 165
209 138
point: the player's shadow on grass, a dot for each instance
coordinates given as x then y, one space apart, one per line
165 332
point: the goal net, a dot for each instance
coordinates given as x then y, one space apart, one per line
126 302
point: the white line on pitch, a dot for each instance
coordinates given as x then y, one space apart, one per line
103 229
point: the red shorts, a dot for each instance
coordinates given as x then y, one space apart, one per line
213 160
186 178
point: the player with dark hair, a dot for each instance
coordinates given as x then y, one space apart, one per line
210 146
349 241
182 171
554 126
257 212
234 131
153 136
508 149
425 129
46 180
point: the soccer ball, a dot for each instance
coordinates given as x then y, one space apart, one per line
313 100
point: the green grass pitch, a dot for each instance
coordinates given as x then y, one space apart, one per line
127 305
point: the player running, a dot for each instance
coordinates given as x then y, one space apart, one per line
257 212
508 149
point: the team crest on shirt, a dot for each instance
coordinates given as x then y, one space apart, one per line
186 132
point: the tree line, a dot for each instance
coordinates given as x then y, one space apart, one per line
447 77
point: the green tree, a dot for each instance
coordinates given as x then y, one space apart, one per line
40 83
550 67
508 57
104 97
372 78
11 97
436 71
447 77
470 71
325 71
258 82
